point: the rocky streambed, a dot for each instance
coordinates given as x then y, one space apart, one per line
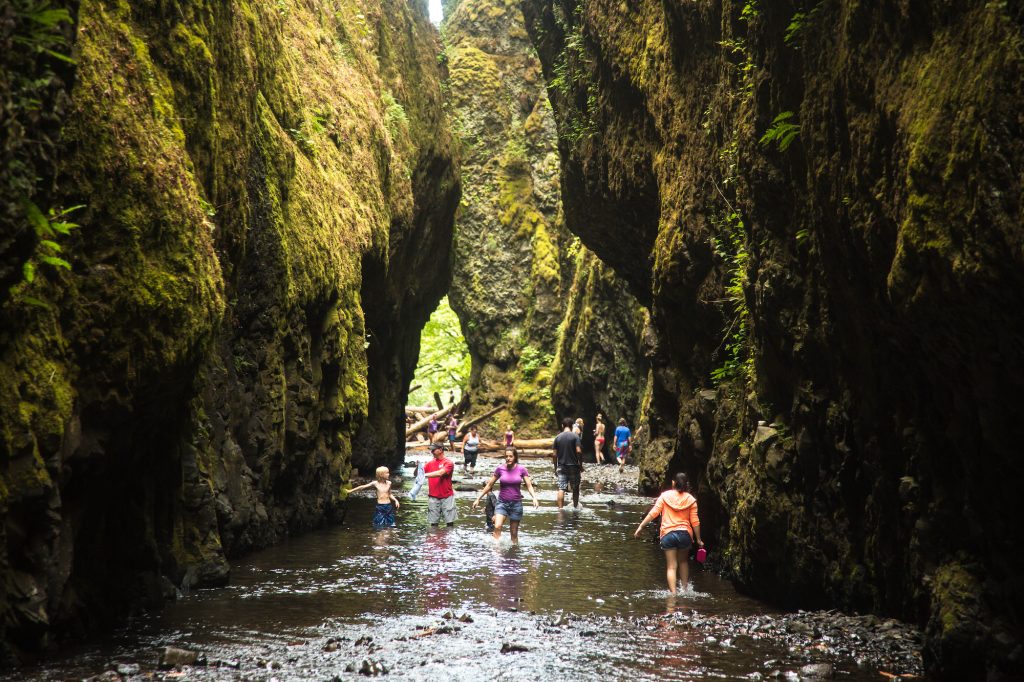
578 597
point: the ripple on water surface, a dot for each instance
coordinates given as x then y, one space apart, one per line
577 596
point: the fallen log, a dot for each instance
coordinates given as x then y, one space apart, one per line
426 409
464 427
493 450
540 443
485 445
535 454
423 423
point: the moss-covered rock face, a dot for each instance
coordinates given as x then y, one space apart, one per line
822 207
598 365
269 191
514 262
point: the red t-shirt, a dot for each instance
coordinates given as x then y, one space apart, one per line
440 486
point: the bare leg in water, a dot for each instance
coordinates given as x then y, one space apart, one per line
499 521
513 529
677 568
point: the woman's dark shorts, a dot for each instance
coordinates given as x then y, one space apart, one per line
469 458
511 509
677 539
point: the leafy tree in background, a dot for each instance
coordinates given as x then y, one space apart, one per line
444 361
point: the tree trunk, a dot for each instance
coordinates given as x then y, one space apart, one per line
423 423
464 428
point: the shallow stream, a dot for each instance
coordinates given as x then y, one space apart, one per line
579 596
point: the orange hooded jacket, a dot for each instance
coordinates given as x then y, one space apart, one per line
678 512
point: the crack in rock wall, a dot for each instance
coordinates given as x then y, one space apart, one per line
515 267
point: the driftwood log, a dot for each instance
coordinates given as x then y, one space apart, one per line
545 444
423 423
464 427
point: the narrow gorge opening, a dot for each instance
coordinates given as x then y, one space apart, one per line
443 367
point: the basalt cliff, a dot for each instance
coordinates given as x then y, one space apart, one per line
547 325
820 205
195 359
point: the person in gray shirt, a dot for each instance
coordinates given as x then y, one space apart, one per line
568 456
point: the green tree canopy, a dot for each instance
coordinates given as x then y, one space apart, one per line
444 361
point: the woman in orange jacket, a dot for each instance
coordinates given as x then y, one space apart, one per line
679 527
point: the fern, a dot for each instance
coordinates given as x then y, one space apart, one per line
48 227
394 114
782 132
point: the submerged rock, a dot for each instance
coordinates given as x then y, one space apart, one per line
173 657
817 671
511 648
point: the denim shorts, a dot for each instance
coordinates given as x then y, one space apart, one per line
568 477
510 509
677 539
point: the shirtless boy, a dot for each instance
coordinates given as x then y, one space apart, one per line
387 504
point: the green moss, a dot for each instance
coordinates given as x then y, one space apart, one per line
181 140
545 256
473 72
955 597
36 402
946 90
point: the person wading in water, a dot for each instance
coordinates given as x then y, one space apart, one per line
440 494
568 458
470 448
510 477
679 525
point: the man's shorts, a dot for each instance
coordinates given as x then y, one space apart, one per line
621 451
440 509
677 539
568 476
511 510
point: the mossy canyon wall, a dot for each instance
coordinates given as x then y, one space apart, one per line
269 190
820 204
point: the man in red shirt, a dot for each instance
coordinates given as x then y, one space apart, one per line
441 496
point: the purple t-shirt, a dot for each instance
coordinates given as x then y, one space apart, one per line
511 481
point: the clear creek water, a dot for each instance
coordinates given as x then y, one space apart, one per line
579 597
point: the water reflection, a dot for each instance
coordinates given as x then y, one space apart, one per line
436 580
579 570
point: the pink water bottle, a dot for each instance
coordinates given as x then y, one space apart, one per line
701 555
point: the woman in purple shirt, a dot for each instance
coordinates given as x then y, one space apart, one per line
510 477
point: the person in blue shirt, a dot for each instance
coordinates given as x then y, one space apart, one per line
623 443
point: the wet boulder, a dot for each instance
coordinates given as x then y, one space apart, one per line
817 671
173 657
